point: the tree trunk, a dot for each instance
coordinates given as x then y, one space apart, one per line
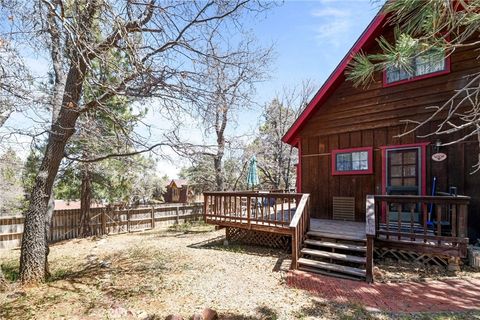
48 224
219 180
85 202
220 125
33 257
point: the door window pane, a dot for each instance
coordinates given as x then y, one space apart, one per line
396 171
395 158
409 158
402 171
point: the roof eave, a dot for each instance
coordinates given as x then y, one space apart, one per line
337 76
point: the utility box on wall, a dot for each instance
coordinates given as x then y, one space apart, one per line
474 257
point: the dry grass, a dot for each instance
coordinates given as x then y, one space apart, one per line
152 274
392 270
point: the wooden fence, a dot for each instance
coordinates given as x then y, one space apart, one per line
66 223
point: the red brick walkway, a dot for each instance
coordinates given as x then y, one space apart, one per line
431 296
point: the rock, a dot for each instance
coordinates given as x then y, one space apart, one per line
16 295
91 258
209 314
174 317
142 314
225 242
118 312
197 316
105 264
377 273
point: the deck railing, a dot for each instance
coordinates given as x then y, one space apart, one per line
247 209
432 221
299 226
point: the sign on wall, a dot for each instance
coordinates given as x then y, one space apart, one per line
439 156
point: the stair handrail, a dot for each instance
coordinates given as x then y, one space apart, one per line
299 226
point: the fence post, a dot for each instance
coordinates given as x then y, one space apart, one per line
104 221
153 218
128 220
178 215
52 224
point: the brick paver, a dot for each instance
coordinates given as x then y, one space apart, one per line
430 296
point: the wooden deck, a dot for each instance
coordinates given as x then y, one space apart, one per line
338 229
430 226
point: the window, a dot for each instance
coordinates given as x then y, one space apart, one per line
422 66
403 168
352 161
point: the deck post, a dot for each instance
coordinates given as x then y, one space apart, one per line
294 251
369 262
370 227
205 207
248 212
462 220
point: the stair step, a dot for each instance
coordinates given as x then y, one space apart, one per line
337 236
336 245
334 255
332 267
329 273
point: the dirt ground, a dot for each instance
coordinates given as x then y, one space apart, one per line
152 274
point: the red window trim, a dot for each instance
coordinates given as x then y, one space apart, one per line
298 183
352 172
422 77
423 173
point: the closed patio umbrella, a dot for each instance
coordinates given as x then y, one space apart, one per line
252 176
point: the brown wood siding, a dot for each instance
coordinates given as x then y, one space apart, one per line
357 117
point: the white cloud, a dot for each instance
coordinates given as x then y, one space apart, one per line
333 25
332 32
330 12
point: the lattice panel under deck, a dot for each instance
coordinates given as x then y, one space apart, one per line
259 238
438 260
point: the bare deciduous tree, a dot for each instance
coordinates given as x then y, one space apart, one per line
230 87
14 80
159 48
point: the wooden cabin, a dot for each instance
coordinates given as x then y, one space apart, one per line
361 188
177 191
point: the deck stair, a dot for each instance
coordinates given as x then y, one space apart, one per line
340 255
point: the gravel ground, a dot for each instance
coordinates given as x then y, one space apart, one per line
159 273
152 274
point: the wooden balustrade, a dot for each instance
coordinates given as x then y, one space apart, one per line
299 226
435 223
252 210
281 213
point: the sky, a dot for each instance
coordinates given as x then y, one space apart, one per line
309 38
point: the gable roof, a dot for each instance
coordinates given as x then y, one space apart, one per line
337 77
178 182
